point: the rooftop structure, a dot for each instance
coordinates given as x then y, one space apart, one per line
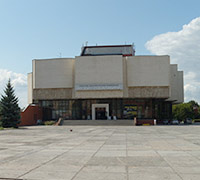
124 50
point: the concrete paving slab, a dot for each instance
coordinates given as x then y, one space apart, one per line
59 166
133 170
185 161
103 169
142 153
107 161
113 147
190 176
174 153
50 175
139 147
100 176
195 153
187 170
81 152
146 161
114 153
9 173
100 152
72 160
154 176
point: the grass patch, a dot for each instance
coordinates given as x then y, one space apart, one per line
1 128
49 123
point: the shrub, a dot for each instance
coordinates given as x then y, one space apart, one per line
196 120
49 123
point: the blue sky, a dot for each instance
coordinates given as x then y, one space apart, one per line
32 29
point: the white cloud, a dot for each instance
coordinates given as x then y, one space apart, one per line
19 81
184 49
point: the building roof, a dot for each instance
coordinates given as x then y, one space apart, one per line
124 50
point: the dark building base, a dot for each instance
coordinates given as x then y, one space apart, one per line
118 109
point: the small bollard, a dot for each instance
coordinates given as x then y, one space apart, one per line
134 121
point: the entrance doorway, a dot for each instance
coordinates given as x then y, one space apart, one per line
100 113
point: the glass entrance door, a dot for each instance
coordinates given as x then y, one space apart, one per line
100 113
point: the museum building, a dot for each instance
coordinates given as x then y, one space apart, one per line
105 82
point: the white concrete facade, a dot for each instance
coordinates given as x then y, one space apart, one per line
98 73
53 73
110 76
148 71
30 87
176 84
180 86
98 70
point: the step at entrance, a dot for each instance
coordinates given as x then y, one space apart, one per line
98 122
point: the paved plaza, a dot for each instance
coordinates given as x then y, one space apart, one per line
100 153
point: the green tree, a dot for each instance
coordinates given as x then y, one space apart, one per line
193 103
196 109
185 110
9 108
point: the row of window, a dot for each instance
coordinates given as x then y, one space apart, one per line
119 108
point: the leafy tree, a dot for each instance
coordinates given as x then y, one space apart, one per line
196 109
186 110
193 103
9 108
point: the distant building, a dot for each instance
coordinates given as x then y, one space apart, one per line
106 82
